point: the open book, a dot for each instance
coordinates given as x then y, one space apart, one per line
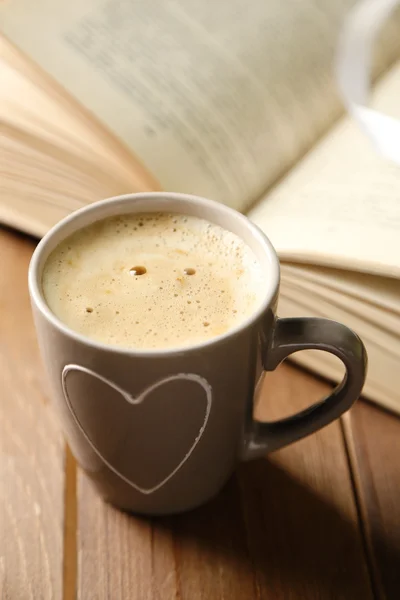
235 101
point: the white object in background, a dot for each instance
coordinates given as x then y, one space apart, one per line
353 73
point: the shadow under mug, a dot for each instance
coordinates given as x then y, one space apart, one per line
160 431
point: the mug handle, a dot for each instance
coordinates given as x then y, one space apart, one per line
292 335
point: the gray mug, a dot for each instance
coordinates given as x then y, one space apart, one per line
160 431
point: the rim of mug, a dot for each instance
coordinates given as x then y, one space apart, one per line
35 272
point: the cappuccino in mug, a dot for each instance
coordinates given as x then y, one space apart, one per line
152 281
154 313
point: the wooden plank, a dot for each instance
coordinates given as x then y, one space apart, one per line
373 438
31 447
70 527
284 527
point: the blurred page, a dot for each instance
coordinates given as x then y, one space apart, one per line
383 292
341 205
217 100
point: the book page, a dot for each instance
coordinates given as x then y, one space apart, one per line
340 206
383 319
31 104
41 183
383 292
216 99
54 157
383 379
368 330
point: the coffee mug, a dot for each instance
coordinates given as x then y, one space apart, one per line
160 431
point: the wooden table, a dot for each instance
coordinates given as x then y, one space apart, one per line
317 520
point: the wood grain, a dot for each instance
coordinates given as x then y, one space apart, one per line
283 528
31 447
373 438
70 527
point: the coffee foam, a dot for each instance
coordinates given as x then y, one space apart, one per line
152 280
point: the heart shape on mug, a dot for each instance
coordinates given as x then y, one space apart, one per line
159 430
